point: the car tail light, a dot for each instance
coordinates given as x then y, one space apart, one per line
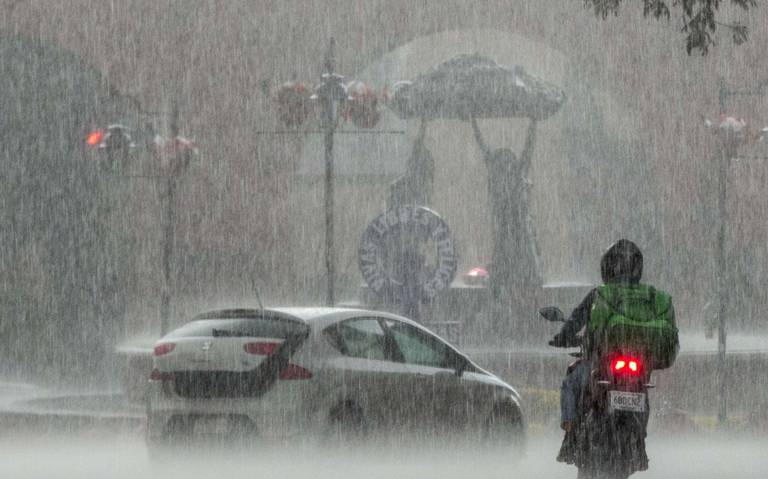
260 349
291 371
164 348
158 375
626 365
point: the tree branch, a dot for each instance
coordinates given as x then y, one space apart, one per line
699 24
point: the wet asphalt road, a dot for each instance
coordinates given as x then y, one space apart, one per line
126 457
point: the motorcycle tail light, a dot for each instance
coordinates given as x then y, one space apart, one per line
626 365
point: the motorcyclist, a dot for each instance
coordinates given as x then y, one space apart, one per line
622 263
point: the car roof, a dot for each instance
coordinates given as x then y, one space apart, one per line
317 317
306 314
311 314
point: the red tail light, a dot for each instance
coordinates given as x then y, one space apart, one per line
164 348
260 349
291 371
626 365
157 375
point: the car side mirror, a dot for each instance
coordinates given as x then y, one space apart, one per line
552 313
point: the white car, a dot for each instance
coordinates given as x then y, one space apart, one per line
293 371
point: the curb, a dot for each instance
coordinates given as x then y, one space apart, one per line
67 414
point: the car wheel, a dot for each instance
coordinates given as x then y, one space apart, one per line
242 430
346 421
174 436
158 445
179 429
505 428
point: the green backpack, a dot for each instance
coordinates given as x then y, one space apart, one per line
636 317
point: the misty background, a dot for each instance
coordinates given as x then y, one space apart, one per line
627 156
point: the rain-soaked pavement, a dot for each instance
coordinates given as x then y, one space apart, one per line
126 457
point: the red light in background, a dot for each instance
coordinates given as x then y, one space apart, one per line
476 276
477 272
619 365
94 137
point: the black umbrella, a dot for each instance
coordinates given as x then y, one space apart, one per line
473 85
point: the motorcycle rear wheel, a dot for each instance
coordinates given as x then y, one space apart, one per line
610 445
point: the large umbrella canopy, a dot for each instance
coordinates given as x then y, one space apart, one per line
474 85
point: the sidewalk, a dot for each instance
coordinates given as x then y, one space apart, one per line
29 409
11 392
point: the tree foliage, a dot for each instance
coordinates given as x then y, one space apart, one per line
65 268
698 18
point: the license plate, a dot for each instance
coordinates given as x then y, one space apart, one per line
625 401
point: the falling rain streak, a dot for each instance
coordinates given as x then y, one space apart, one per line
215 173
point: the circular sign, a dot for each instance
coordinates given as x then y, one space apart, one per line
408 252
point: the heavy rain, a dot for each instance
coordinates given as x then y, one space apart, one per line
327 238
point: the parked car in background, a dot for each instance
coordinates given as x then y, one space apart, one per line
292 372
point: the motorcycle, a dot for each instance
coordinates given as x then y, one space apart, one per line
612 413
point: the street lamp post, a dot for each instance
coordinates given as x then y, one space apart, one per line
330 92
169 228
727 153
118 152
169 235
721 266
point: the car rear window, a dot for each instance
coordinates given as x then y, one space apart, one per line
264 327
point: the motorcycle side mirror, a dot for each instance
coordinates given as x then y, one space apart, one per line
552 313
